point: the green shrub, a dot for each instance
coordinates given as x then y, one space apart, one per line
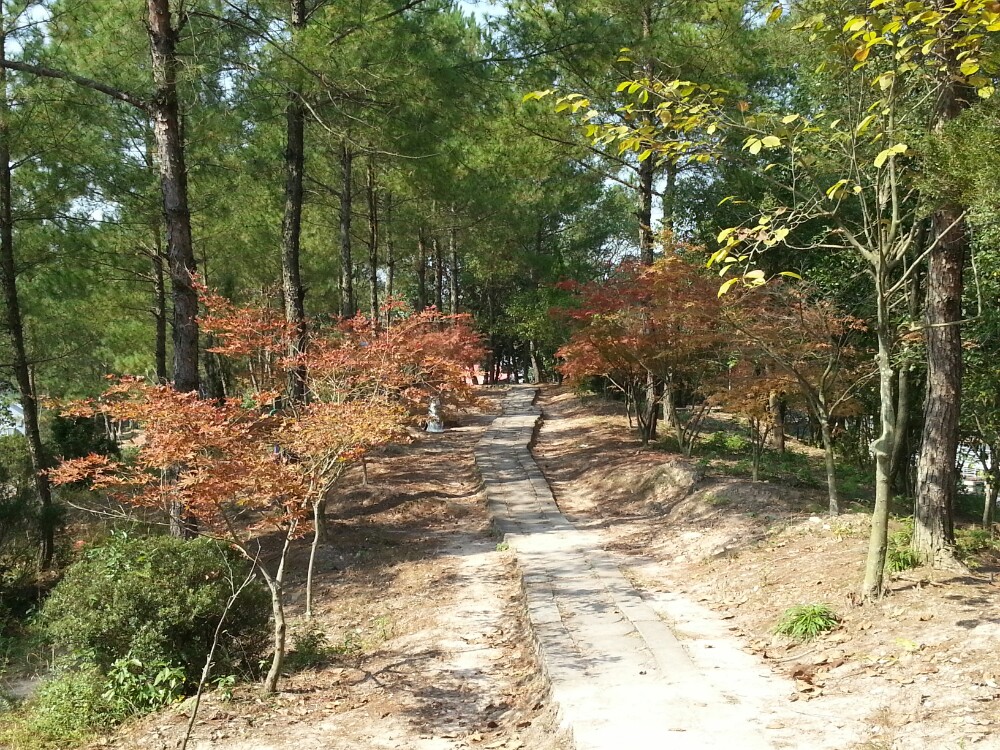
69 706
724 442
973 541
900 555
133 688
157 600
807 621
310 648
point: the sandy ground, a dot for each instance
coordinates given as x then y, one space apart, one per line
919 670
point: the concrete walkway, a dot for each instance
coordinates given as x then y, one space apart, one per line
620 677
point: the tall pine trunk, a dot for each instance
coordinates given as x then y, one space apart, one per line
169 139
15 331
347 306
390 250
438 274
937 473
291 226
453 265
372 191
159 313
420 268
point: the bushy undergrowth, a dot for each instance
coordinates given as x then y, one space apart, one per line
900 555
131 624
156 600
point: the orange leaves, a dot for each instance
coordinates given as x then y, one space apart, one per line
258 454
407 362
661 320
205 454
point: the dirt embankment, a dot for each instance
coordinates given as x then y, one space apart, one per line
919 670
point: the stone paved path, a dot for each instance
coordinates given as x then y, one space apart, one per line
619 675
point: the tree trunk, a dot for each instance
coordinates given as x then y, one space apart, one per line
347 306
937 474
438 275
159 314
165 112
390 251
831 466
291 226
776 409
453 265
15 331
373 240
646 168
990 506
420 267
882 448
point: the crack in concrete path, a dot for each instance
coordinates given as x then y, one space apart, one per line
618 674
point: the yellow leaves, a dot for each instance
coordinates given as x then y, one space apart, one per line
724 235
863 126
969 67
775 14
886 154
727 285
885 80
534 96
985 92
753 144
855 23
788 119
838 189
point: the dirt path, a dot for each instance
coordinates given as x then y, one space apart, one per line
423 617
712 552
621 675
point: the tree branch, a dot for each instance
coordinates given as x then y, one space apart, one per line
87 83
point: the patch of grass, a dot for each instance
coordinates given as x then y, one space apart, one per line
899 555
970 542
502 547
310 649
725 444
807 621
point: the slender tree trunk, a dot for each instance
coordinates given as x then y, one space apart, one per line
420 267
159 313
831 466
882 448
15 331
453 265
438 275
647 167
291 226
776 407
169 138
276 585
347 306
390 250
990 504
372 191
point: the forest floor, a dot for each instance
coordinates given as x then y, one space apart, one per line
426 645
425 642
921 669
